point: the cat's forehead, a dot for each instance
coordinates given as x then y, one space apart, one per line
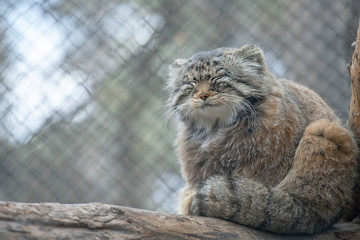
209 55
206 61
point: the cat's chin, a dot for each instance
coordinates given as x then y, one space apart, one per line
207 105
211 116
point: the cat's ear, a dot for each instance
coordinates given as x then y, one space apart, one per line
253 54
176 68
178 63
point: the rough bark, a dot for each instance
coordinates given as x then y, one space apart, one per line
101 221
354 112
354 69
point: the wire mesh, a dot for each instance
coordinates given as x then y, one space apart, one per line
81 100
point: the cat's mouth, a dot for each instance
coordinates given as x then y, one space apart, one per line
206 105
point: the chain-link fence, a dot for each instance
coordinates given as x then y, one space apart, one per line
81 99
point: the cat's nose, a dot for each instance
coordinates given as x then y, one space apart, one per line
203 96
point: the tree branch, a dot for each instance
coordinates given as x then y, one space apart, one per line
354 69
101 221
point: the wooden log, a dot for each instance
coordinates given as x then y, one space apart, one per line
101 221
354 69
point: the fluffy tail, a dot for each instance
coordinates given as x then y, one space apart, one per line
250 203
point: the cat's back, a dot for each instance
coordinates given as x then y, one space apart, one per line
303 102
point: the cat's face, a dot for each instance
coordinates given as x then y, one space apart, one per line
214 89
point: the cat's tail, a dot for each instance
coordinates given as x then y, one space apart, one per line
310 198
247 202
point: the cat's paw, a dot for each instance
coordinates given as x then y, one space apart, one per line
333 132
186 198
216 198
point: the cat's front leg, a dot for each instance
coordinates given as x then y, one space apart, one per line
216 197
206 200
186 197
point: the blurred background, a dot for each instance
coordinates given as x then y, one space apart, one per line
81 86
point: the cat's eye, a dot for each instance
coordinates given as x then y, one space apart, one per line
215 79
191 84
220 71
222 85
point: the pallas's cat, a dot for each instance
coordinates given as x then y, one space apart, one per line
257 150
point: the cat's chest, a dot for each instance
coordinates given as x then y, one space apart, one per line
233 148
250 154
